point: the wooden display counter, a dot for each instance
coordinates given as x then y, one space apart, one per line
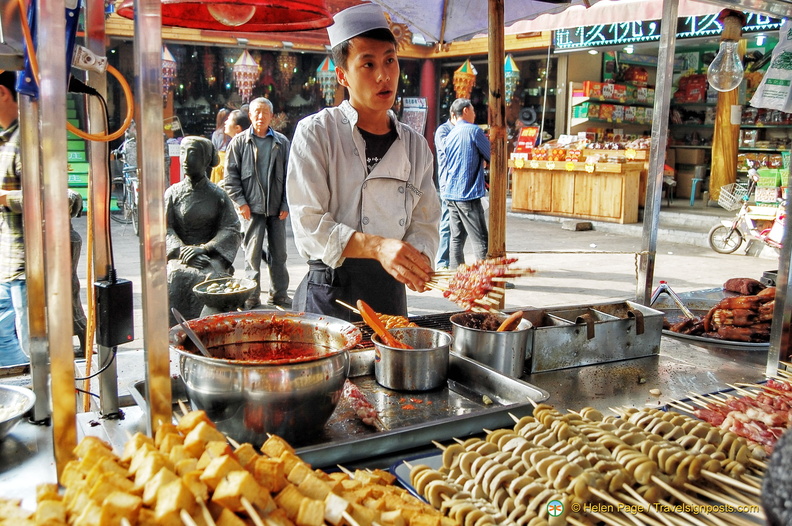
601 191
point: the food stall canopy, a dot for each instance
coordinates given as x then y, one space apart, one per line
450 20
607 12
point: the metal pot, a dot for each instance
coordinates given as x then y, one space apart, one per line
503 351
422 368
292 396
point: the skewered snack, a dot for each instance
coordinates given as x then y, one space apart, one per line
478 286
363 409
395 322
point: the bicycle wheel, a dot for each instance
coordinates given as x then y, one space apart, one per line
724 240
120 193
130 210
133 212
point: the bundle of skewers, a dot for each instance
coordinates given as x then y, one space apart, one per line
639 466
191 474
478 287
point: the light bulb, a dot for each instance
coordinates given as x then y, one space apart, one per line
231 15
726 72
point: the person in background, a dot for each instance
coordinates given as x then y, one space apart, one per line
467 148
442 258
78 314
364 206
236 123
14 349
220 141
255 179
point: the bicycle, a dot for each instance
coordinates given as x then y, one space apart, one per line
125 190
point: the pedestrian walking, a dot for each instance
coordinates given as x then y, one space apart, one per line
442 258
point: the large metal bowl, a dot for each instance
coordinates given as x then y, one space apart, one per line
14 403
292 394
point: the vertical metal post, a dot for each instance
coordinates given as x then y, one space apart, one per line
99 186
33 218
654 183
151 160
52 104
780 335
497 131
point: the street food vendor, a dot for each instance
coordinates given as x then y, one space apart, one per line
364 208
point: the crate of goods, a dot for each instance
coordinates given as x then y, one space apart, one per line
564 337
768 178
695 156
766 194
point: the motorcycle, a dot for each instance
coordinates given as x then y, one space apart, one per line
764 224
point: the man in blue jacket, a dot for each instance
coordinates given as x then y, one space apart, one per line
255 180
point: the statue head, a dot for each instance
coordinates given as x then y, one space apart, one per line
198 156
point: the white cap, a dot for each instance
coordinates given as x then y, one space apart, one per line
354 21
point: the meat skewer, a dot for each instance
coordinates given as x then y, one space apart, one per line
363 408
471 285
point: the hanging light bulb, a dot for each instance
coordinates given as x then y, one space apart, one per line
725 72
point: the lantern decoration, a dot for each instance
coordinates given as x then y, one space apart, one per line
512 75
246 71
464 80
326 74
287 62
168 72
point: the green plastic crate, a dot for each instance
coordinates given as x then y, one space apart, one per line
75 156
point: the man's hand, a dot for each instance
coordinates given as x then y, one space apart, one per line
244 211
4 197
403 261
283 215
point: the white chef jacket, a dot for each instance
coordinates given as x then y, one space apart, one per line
331 195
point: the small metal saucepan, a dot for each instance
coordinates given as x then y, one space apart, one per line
504 351
422 368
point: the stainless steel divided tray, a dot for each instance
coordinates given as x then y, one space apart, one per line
475 397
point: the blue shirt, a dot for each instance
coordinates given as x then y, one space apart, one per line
466 149
440 137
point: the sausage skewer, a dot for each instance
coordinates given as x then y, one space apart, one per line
373 321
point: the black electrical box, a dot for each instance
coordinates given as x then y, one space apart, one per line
115 320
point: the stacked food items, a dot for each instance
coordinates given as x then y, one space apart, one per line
189 475
585 468
743 318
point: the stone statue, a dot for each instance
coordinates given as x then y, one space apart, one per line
203 233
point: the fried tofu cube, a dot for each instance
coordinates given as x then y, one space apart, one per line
186 465
189 421
279 518
76 493
269 473
298 472
202 434
313 487
170 441
134 443
238 485
392 518
173 497
213 450
229 518
275 446
95 455
386 478
152 486
119 505
49 512
90 442
140 454
162 431
72 473
192 480
246 454
335 508
106 483
177 453
363 515
424 520
47 491
106 466
218 469
289 500
290 460
310 513
350 484
152 463
89 515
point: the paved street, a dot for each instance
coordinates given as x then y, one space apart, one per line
572 267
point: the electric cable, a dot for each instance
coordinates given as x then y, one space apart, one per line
110 69
104 367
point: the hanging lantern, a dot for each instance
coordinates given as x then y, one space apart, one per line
512 74
168 72
287 62
250 16
326 74
464 80
246 71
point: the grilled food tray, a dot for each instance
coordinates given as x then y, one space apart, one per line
474 397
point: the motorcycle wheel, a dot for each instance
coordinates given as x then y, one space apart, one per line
724 240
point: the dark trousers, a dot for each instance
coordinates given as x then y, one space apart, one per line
467 219
274 229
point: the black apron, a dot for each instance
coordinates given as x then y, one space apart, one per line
355 279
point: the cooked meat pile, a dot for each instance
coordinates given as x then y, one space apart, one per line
744 318
483 321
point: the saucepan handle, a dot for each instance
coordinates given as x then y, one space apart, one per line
639 320
589 321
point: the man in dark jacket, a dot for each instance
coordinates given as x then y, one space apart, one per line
255 180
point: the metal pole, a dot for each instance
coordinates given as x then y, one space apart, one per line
57 276
151 160
654 183
497 131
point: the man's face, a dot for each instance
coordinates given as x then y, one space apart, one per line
260 118
468 115
372 74
231 128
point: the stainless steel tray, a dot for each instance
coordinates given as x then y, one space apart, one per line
475 397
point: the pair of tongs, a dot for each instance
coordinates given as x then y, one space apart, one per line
373 320
664 288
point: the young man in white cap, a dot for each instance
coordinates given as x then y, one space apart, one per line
363 204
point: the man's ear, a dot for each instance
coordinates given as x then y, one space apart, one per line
341 77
